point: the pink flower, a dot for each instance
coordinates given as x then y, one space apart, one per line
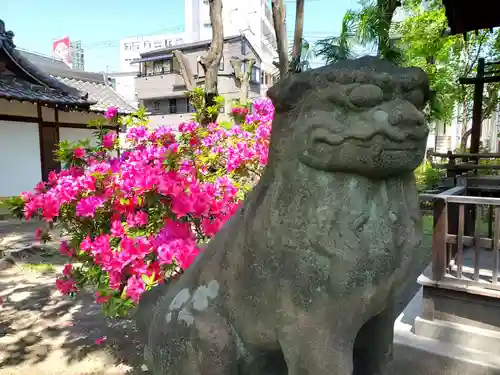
38 233
100 340
87 206
130 217
67 270
79 153
108 140
135 287
111 113
64 249
101 299
66 285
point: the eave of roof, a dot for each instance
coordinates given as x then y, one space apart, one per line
464 16
188 46
101 93
66 95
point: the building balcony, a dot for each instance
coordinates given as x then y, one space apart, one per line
159 85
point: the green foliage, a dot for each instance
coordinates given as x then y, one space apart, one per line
203 112
16 206
427 177
446 58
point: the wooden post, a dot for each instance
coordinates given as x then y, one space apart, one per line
439 240
477 110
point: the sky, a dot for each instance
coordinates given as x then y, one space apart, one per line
100 24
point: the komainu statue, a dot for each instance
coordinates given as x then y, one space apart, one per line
302 279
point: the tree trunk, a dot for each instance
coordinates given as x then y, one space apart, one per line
243 78
278 10
387 9
463 140
185 71
298 36
211 61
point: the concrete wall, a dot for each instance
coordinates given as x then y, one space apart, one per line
20 166
73 135
125 85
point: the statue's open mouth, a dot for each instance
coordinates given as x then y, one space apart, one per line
394 140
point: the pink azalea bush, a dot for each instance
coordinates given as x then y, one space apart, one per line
136 216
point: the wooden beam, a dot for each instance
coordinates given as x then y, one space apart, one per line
477 108
40 137
21 118
474 80
75 126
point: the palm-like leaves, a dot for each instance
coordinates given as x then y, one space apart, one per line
367 27
337 48
306 55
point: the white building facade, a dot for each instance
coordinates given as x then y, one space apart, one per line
251 18
131 48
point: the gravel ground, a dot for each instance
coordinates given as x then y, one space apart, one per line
45 333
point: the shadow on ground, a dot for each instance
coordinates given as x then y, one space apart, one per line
44 332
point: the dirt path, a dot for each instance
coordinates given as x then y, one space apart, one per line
45 333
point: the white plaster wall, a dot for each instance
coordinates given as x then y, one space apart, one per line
20 166
17 108
73 135
76 117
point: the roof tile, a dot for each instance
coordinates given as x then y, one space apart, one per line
12 87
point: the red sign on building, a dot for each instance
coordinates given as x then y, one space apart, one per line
61 49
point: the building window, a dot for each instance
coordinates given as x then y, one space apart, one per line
207 25
190 107
172 105
147 44
205 2
255 75
221 64
158 44
158 67
167 66
262 78
168 43
148 68
156 106
243 47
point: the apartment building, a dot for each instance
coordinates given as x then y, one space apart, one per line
131 48
161 88
252 18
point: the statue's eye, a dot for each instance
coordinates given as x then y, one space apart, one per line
366 96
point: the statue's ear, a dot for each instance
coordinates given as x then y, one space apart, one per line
287 93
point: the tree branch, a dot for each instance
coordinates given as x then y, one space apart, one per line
186 73
211 61
243 77
278 10
236 64
297 38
